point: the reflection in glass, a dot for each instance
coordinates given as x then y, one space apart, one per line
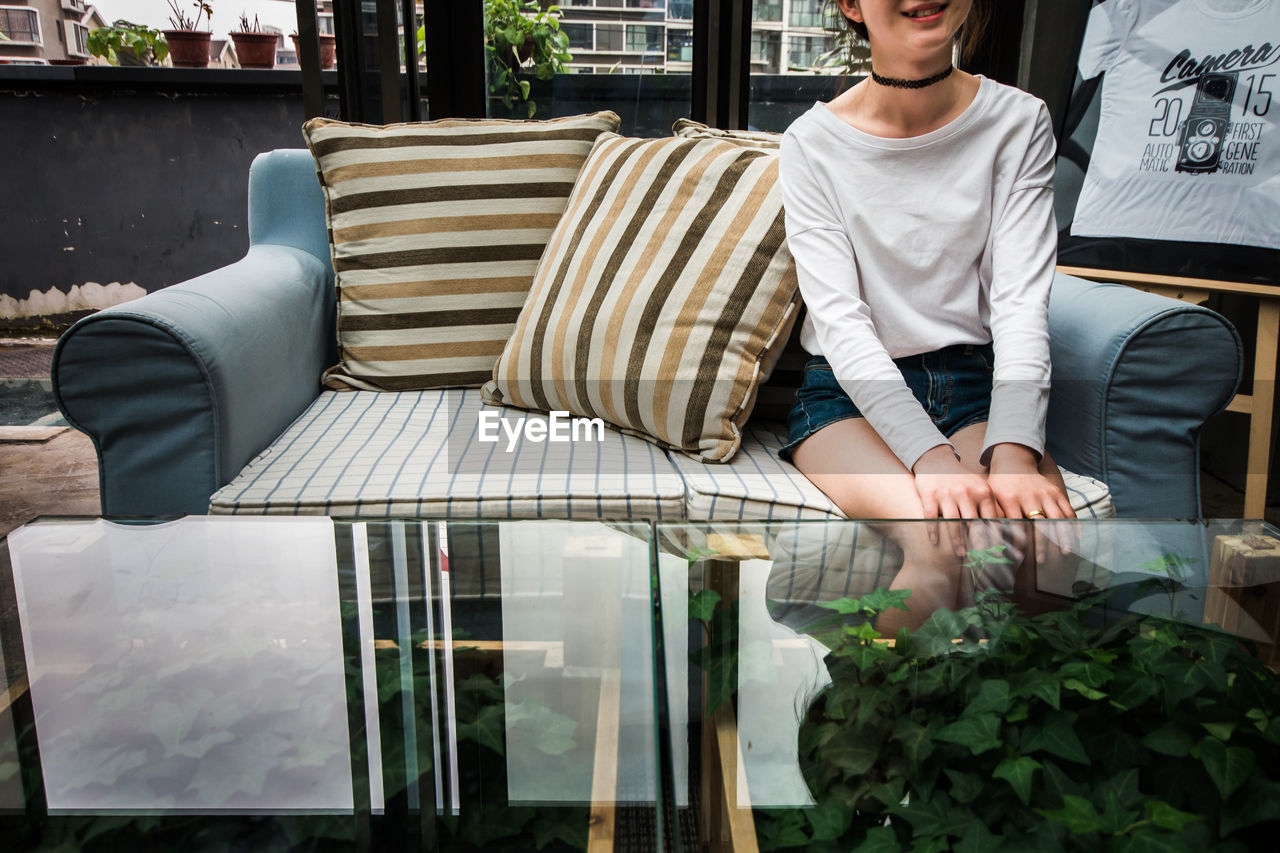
195 665
1082 660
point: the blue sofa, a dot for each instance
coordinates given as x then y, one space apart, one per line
206 396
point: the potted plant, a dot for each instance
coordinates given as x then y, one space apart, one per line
328 49
985 729
521 39
128 44
254 48
189 47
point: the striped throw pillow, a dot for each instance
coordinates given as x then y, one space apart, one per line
690 129
665 293
436 230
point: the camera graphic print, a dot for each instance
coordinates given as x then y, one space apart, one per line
1187 138
1211 138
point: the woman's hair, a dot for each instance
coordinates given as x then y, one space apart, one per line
970 35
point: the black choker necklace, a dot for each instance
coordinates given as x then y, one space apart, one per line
899 83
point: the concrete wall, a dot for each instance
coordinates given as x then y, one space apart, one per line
109 193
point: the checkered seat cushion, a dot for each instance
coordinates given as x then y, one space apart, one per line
756 484
377 454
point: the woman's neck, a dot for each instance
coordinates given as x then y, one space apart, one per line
901 113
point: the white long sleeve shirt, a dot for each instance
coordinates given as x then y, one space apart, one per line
904 246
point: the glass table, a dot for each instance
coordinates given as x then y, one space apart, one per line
315 684
282 684
1101 715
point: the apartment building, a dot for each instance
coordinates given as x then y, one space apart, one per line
653 36
45 32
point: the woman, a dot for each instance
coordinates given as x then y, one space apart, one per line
919 210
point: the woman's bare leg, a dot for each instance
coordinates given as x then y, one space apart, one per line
853 466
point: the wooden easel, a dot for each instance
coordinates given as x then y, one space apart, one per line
1257 404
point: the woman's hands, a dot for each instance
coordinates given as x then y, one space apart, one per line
1014 489
1019 487
948 490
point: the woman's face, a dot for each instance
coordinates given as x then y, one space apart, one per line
909 28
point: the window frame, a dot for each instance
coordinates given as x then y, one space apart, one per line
35 15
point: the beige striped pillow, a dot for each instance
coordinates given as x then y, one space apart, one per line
690 129
665 292
436 230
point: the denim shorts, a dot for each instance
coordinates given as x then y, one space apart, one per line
953 385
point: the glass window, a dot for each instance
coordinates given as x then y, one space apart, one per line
20 24
806 13
765 48
805 50
581 36
623 59
609 37
680 45
767 10
646 39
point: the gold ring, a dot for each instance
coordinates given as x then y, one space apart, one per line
1036 513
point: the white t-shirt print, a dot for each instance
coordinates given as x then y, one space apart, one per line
1187 145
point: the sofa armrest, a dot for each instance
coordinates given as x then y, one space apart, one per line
1135 376
181 388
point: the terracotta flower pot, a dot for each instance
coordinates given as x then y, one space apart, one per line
255 50
328 50
188 48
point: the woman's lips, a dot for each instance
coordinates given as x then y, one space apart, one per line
925 19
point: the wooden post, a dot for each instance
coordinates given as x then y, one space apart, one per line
1244 591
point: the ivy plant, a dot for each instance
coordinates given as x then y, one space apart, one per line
988 730
521 40
126 43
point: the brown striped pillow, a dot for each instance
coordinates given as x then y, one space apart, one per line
665 293
436 230
690 129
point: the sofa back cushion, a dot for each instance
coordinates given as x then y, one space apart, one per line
664 295
436 229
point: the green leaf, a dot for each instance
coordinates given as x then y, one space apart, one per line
879 840
1045 687
703 605
979 733
1167 817
1018 772
965 787
1119 797
978 839
1057 737
880 600
550 732
851 751
1091 673
993 695
865 631
934 816
1222 731
778 828
486 729
1169 740
1077 814
1083 689
916 740
1134 693
930 845
1147 840
1228 766
829 819
1260 801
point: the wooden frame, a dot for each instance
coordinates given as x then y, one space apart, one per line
1259 402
